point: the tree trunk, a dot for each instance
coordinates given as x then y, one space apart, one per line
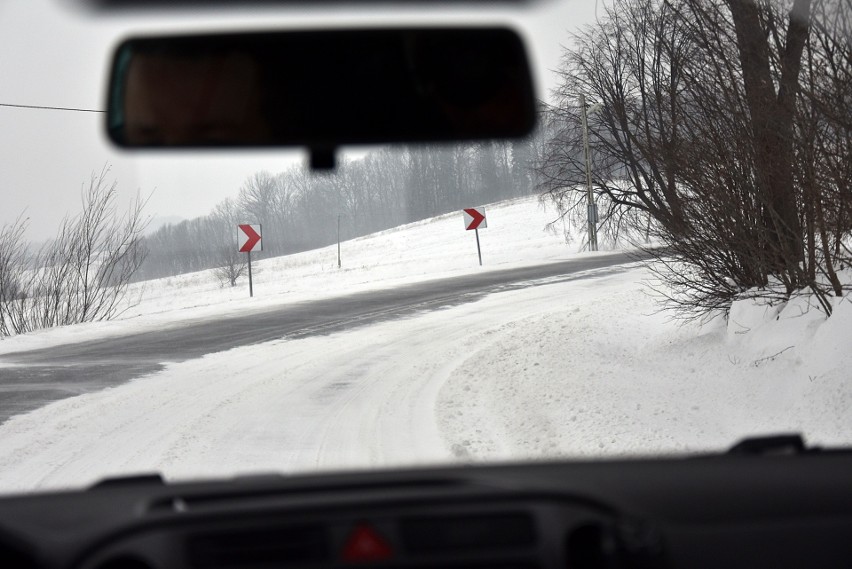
772 114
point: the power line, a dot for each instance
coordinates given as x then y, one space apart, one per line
51 108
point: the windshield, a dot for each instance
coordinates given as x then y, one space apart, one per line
661 268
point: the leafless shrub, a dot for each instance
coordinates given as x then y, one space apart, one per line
13 276
234 266
80 276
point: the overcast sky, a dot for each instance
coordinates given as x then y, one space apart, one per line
53 56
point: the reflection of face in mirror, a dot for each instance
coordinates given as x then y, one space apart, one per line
202 99
472 87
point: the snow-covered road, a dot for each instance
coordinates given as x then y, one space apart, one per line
38 377
583 367
350 399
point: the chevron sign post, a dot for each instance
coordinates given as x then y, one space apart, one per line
250 239
474 218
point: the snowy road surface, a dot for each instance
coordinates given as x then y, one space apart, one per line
352 398
40 376
583 367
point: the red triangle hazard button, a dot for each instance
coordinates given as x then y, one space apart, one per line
365 544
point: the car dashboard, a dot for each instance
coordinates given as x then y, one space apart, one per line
714 511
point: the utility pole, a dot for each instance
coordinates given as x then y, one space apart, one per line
338 240
590 195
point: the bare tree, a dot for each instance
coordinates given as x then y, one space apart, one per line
231 264
234 266
704 127
83 274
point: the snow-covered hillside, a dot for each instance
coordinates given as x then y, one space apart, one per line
424 250
428 249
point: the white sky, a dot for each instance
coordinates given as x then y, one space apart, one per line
51 55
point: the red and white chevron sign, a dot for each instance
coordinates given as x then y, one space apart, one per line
249 238
474 218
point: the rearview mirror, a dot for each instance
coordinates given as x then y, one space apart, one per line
320 89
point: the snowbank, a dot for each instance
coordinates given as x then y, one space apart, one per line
616 376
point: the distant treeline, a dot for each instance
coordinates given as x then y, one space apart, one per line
389 187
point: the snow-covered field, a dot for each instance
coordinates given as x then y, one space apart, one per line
586 367
424 250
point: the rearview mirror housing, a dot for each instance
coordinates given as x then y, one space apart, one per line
320 89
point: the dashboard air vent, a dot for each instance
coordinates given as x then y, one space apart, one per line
259 548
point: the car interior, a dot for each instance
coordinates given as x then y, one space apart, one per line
770 501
